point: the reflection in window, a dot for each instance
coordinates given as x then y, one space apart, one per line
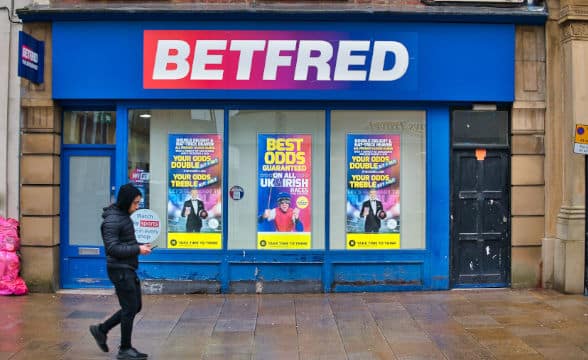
89 127
138 159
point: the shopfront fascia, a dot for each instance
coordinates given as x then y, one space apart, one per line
247 117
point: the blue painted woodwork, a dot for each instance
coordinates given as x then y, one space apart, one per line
456 64
449 62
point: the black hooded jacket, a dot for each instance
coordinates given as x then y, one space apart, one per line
118 232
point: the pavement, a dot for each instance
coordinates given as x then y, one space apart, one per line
456 324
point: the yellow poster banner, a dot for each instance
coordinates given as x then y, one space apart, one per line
208 241
372 241
283 241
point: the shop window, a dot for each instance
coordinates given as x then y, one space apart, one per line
379 156
89 127
175 158
276 180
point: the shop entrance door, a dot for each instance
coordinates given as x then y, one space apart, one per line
480 217
87 187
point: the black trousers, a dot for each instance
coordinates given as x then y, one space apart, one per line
128 290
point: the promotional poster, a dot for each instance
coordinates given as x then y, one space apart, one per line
284 191
194 192
373 191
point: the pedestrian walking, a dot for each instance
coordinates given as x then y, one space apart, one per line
122 260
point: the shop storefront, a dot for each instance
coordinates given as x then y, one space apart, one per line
273 156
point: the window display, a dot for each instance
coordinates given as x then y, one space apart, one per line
277 161
276 178
381 203
175 159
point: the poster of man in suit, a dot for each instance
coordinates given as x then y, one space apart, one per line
194 205
373 191
193 211
373 212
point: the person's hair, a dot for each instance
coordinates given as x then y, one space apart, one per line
126 194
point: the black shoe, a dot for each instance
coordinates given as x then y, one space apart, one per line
130 353
99 336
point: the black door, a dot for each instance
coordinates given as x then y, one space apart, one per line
480 218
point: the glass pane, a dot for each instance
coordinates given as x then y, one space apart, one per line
278 159
379 156
175 159
89 193
89 127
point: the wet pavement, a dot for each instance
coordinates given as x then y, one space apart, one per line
458 324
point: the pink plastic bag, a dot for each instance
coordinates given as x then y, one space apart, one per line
9 239
10 282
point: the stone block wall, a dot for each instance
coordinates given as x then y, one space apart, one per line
528 156
40 176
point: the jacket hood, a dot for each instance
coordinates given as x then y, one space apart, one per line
126 194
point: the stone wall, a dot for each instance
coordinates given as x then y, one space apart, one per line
40 176
527 171
567 75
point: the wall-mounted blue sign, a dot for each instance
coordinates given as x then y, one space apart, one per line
31 55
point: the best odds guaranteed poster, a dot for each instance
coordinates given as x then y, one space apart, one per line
373 191
284 191
194 184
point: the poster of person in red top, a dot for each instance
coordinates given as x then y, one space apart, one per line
284 191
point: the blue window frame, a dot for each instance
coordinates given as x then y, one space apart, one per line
325 270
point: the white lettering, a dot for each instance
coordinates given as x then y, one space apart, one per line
246 49
297 60
305 59
163 58
203 58
273 58
377 71
29 54
346 59
30 64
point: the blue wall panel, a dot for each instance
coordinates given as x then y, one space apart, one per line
449 61
385 273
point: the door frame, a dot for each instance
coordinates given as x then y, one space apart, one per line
70 252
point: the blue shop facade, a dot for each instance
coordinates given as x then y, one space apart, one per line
260 145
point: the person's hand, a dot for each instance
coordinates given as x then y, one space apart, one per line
266 213
145 249
366 211
296 213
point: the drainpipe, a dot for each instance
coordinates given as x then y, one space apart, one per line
10 145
